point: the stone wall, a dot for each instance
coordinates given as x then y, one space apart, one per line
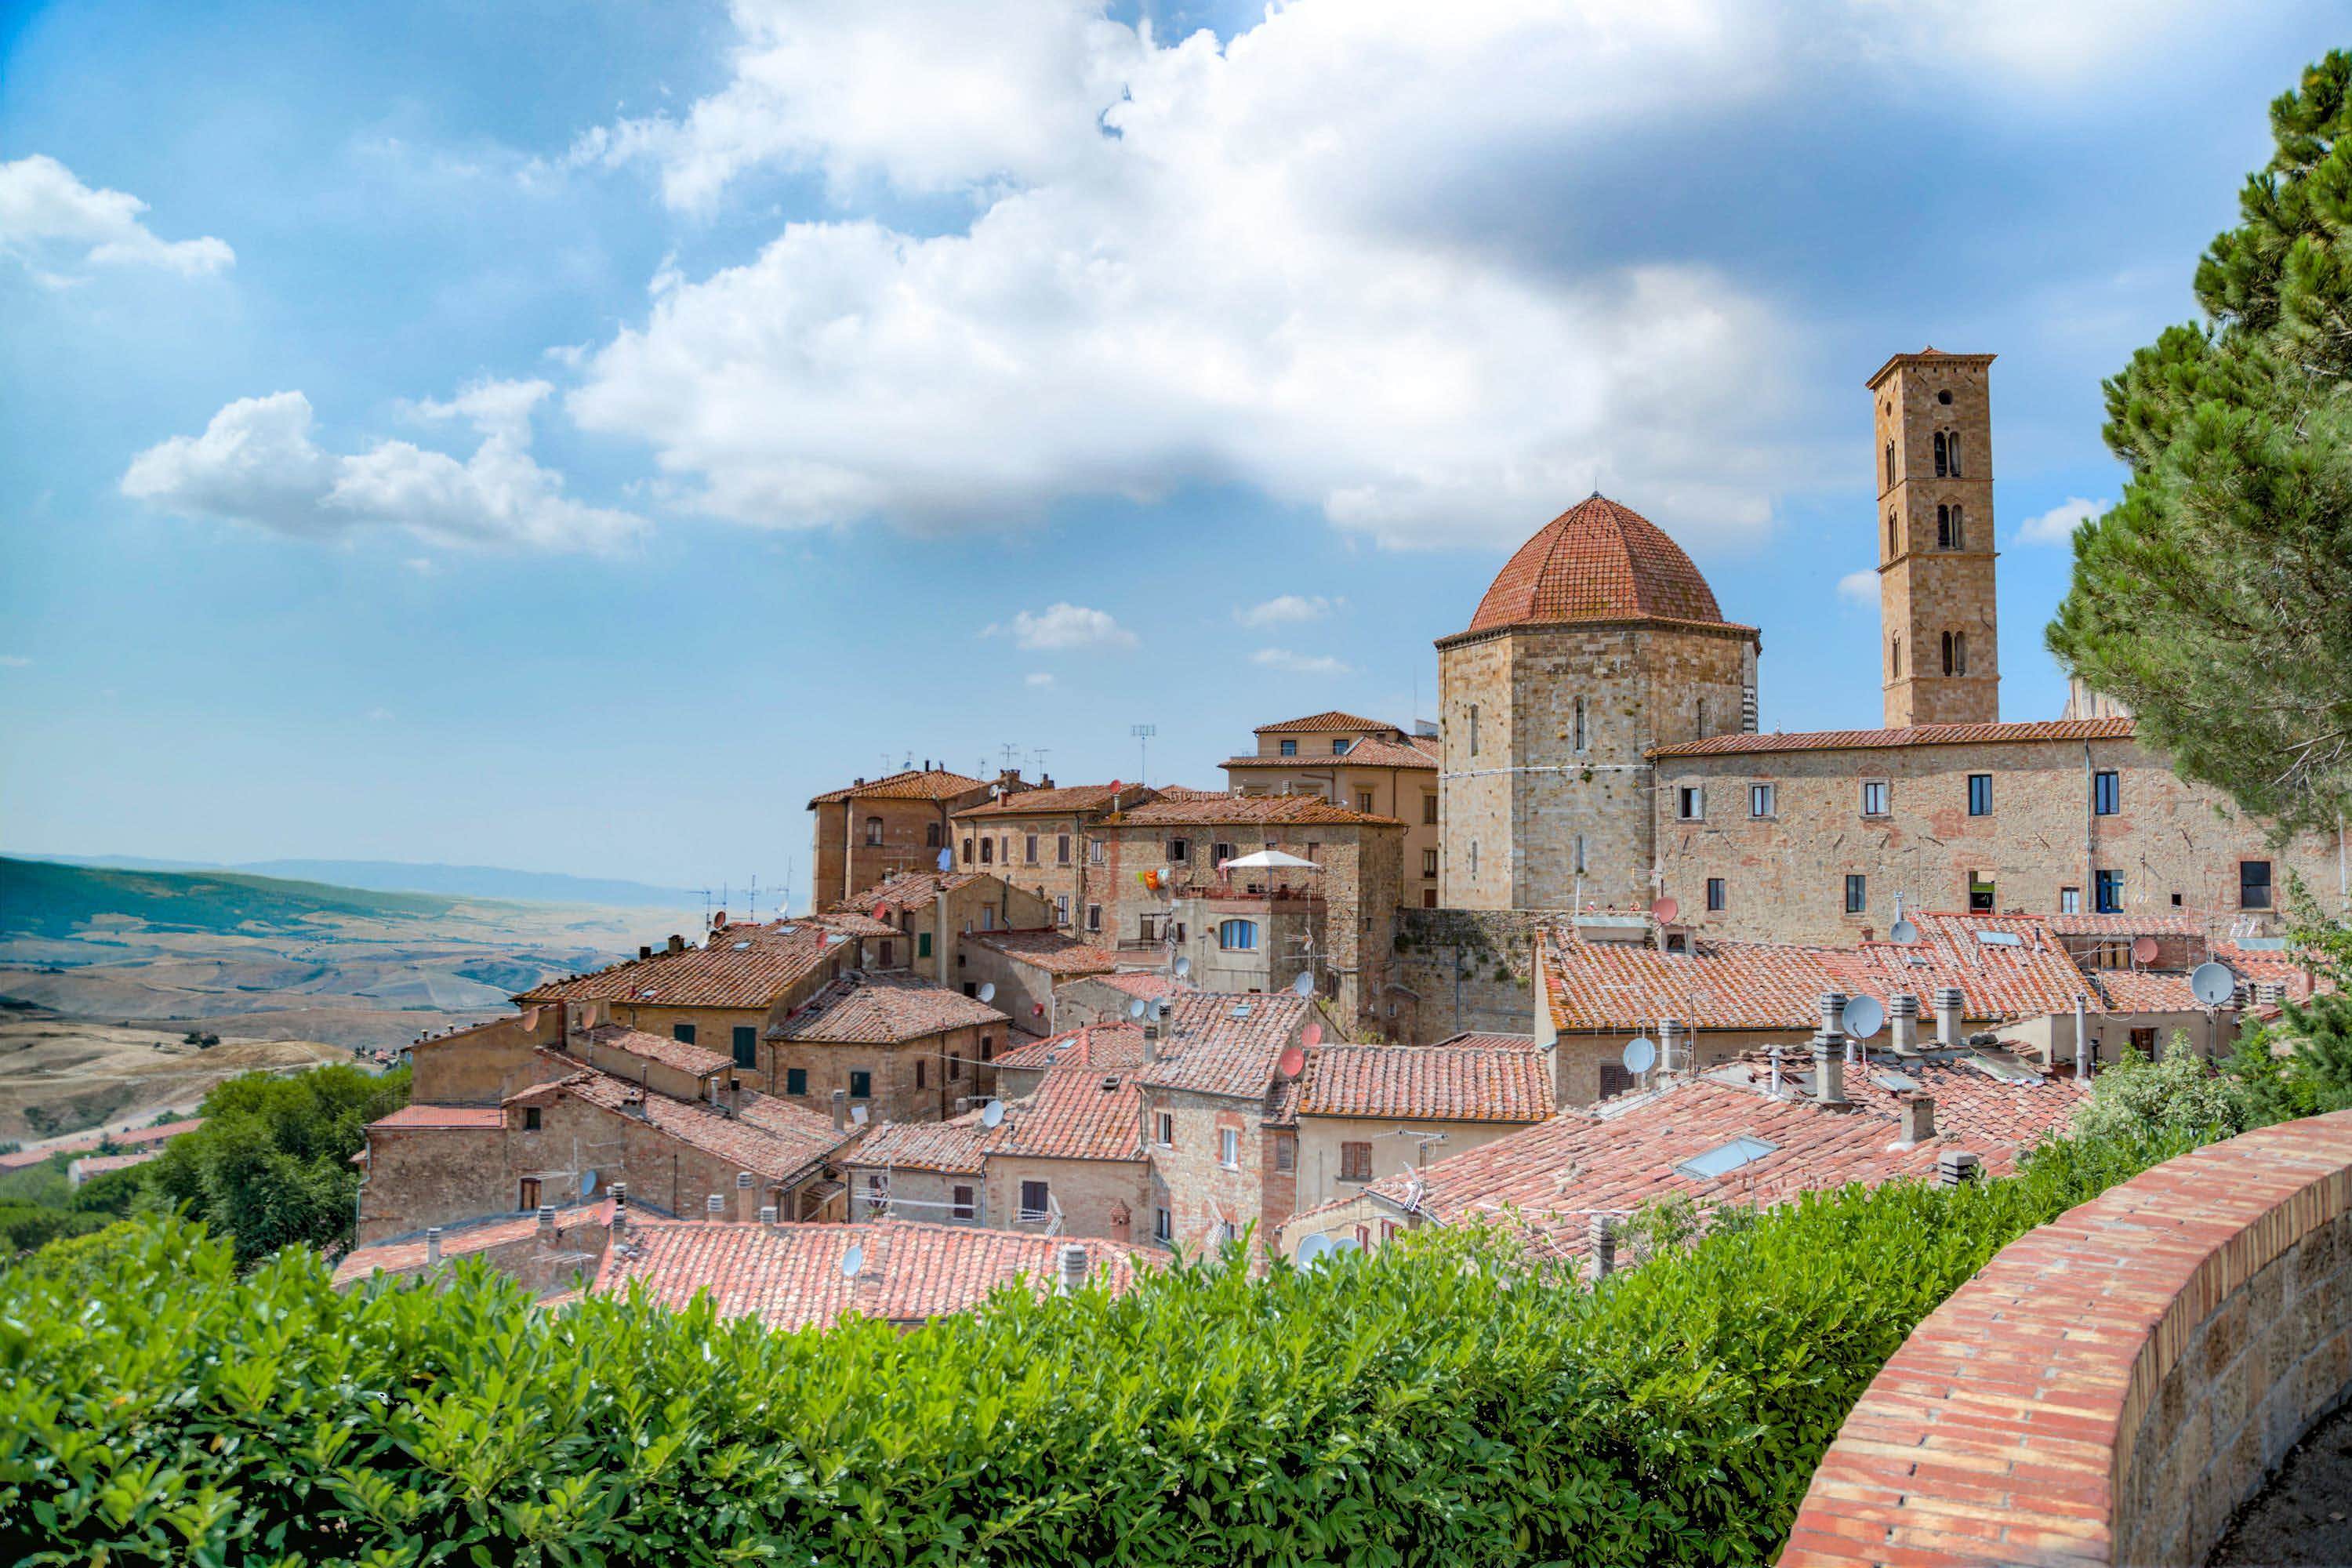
419 1176
913 833
1199 1190
912 1080
2110 1388
1925 591
483 1065
1465 970
1097 1198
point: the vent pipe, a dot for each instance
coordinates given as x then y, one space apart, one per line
432 1245
1903 1023
1949 1003
1073 1267
1828 1052
1668 1030
1955 1167
1604 1248
2082 1043
715 1208
547 1222
1919 1118
841 1111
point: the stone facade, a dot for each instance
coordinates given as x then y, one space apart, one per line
1204 1200
2037 850
1321 1154
1464 971
483 1065
1940 654
916 1079
1037 840
1095 1197
877 829
1384 772
420 1177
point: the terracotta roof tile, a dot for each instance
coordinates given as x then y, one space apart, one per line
1483 1040
698 1060
1427 1083
1331 722
1598 561
1206 808
1143 982
954 1146
414 1117
131 1137
1063 957
748 967
1071 1115
789 1276
773 1138
90 1165
1062 800
908 891
406 1254
915 783
1916 735
1373 752
882 1009
2122 925
1116 1047
1228 1045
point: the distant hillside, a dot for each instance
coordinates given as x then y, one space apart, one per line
410 876
42 898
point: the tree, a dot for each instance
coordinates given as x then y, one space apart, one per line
272 1164
2136 1099
2216 598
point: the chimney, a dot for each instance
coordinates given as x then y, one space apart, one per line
1955 1166
1918 1118
677 942
1669 1031
432 1245
547 1222
1073 1267
734 1095
1828 1052
619 1212
1152 1037
2082 1043
1949 1003
2270 993
963 1104
1903 1023
747 1198
841 1111
1604 1248
645 950
715 1208
768 1215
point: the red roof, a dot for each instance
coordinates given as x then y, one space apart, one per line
1062 800
882 1009
1228 1045
406 1254
915 783
743 966
1598 561
1427 1083
443 1118
908 891
1144 983
773 1138
1205 809
1071 1115
1116 1047
2117 728
698 1060
1331 722
957 1146
1063 957
133 1137
789 1276
1371 751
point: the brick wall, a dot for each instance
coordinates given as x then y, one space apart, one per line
1190 1181
483 1065
2110 1386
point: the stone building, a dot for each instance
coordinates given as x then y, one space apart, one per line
875 829
934 911
1026 970
1037 840
899 1047
1597 641
1375 768
1932 413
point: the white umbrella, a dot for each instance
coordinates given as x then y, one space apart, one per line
1271 860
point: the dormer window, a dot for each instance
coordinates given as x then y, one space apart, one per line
1340 748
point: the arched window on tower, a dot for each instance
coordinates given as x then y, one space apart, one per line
1895 655
1943 527
1960 529
1891 550
1959 653
1952 451
1890 465
1579 723
1940 460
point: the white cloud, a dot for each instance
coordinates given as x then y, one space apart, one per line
1290 663
1859 588
15 661
1059 628
1287 609
2057 525
48 216
257 463
1037 678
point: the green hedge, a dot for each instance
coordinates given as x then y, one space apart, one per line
1437 1402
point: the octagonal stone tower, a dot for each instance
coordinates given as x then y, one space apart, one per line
1598 640
1941 661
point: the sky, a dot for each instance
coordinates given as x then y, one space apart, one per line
569 436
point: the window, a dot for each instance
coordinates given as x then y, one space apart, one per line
877 1194
1890 533
930 835
918 1072
1163 1225
682 1033
873 830
796 1081
955 1067
886 955
2106 793
922 944
1094 851
1944 397
1873 797
967 851
1579 854
2107 889
1289 748
861 1085
1338 748
1094 917
531 1119
988 851
1029 849
1473 728
746 1041
2070 900
1163 1129
988 1048
530 1193
2253 884
1286 1154
1943 527
1429 862
1857 893
1614 1079
1579 723
1759 800
1221 853
1035 1202
961 1199
1955 653
1895 654
987 917
1355 1162
1725 1158
1428 902
1062 850
1690 802
1061 909
1226 1231
1960 530
1429 811
1952 450
1364 801
2144 1041
1178 849
1981 897
1980 794
1229 1148
1474 858
1942 457
1237 936
1715 894
1890 465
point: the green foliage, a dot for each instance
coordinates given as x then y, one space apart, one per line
2178 1094
114 1193
1440 1401
271 1167
24 1227
43 898
2217 597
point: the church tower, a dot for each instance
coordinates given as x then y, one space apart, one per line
1941 655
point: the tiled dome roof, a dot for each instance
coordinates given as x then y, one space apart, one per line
1596 562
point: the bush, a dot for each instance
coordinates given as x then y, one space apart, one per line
24 1227
1438 1401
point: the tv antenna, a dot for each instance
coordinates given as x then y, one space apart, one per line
1012 750
1143 733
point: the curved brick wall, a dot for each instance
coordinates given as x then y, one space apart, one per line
2112 1386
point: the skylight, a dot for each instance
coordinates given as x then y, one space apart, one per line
1726 1159
2001 939
1894 1082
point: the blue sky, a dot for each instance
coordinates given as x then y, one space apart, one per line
569 436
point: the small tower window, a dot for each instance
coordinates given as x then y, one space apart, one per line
1952 450
1955 653
1895 655
1579 723
1473 857
1579 854
1890 465
1943 527
1890 533
1960 530
1947 653
1944 397
1473 728
1942 459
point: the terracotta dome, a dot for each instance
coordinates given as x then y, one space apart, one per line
1597 562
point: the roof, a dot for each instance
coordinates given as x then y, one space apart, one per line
1062 957
2149 924
1144 982
1598 561
2113 728
789 1276
698 1060
90 1165
1203 809
439 1118
1479 1039
744 966
1550 1180
1330 721
131 1137
1071 1115
1371 751
773 1138
1926 353
1427 1083
1116 1047
909 889
1221 1044
882 1009
406 1254
1062 800
915 783
955 1145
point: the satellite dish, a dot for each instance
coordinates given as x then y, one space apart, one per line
1663 911
2144 950
1864 1014
1312 1034
882 912
858 1114
1641 1055
852 1261
1904 932
1138 1008
946 861
988 992
993 1113
1313 1249
1291 1063
1304 986
1183 967
587 1182
1347 1244
2212 983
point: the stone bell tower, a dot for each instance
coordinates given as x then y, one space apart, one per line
1940 656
